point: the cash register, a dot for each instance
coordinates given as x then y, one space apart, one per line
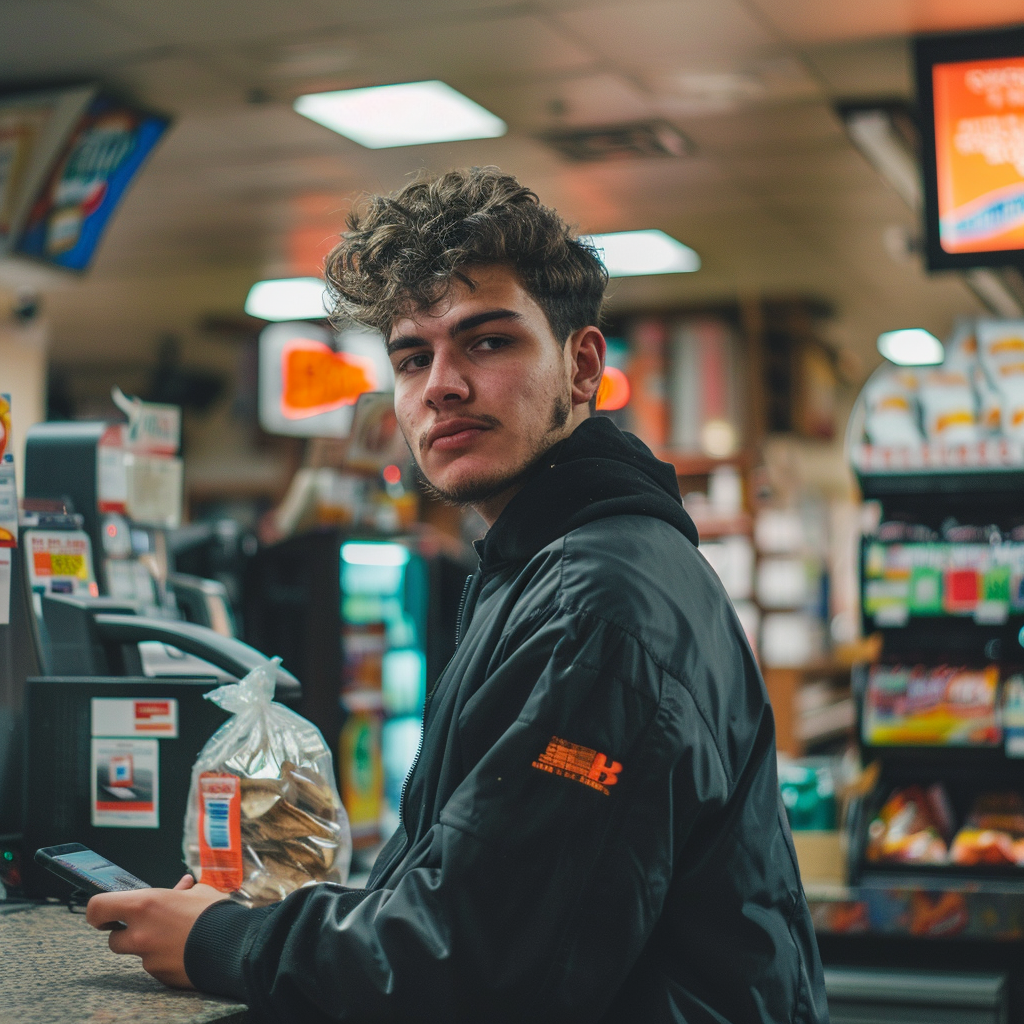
97 742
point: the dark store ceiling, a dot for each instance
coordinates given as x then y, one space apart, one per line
773 195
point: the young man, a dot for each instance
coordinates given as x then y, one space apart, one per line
593 830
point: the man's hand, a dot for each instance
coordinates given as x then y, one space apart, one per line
157 924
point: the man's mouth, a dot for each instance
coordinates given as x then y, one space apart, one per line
449 435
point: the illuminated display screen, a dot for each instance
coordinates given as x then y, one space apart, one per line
979 154
971 93
316 379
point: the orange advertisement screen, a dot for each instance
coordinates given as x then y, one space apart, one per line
979 154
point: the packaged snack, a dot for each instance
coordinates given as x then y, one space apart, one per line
990 401
892 410
993 832
962 347
1000 344
264 816
1001 348
948 407
931 705
911 827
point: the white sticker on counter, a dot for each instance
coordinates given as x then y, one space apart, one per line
135 716
5 586
125 781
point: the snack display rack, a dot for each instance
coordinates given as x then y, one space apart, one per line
938 720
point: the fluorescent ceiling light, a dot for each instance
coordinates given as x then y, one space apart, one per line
291 298
401 115
356 553
873 134
638 253
913 347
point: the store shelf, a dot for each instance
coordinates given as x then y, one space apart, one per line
784 684
713 527
695 464
947 908
987 467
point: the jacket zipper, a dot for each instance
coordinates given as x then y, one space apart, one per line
462 608
426 704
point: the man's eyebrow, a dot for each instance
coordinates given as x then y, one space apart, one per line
467 324
403 341
483 318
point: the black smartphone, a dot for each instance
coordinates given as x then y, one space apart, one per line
87 870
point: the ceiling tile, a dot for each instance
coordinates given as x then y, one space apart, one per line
797 127
491 50
871 68
42 39
807 20
558 103
177 84
656 36
206 22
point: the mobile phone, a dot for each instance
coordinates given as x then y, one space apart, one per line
87 870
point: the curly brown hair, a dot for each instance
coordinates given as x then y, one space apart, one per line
402 251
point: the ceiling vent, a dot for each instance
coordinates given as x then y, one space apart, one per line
635 140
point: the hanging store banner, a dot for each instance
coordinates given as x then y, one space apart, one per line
99 159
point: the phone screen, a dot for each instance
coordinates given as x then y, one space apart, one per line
97 869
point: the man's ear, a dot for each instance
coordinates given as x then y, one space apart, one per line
587 349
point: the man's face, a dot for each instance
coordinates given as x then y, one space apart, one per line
482 388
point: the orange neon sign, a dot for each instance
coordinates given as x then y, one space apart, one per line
979 154
613 392
315 379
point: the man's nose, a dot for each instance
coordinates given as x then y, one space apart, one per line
446 383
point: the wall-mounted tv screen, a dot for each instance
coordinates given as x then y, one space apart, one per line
66 159
970 91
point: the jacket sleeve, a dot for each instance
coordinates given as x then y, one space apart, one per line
538 888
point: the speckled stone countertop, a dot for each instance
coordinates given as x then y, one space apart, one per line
55 969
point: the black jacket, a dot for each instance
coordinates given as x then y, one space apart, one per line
593 831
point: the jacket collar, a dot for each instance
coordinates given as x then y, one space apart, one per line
596 472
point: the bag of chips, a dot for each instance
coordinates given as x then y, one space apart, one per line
993 833
892 410
911 827
264 816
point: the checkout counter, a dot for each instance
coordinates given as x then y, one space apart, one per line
54 967
89 678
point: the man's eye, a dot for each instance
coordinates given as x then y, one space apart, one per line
416 362
492 342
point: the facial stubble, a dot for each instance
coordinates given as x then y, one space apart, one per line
480 491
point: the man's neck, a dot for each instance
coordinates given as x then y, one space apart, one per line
490 508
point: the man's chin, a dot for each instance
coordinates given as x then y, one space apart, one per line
464 493
472 486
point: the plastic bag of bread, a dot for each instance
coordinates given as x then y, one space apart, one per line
993 832
911 827
264 816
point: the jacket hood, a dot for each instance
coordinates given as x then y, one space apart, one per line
596 472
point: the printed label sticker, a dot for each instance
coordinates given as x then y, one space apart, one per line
128 716
220 831
125 781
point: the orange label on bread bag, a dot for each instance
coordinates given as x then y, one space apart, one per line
220 831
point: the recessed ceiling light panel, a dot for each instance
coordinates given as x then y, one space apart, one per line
912 347
411 114
291 298
639 253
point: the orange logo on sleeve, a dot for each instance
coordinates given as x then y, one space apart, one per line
581 764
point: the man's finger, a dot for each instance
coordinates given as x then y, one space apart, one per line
103 909
187 881
115 906
123 941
